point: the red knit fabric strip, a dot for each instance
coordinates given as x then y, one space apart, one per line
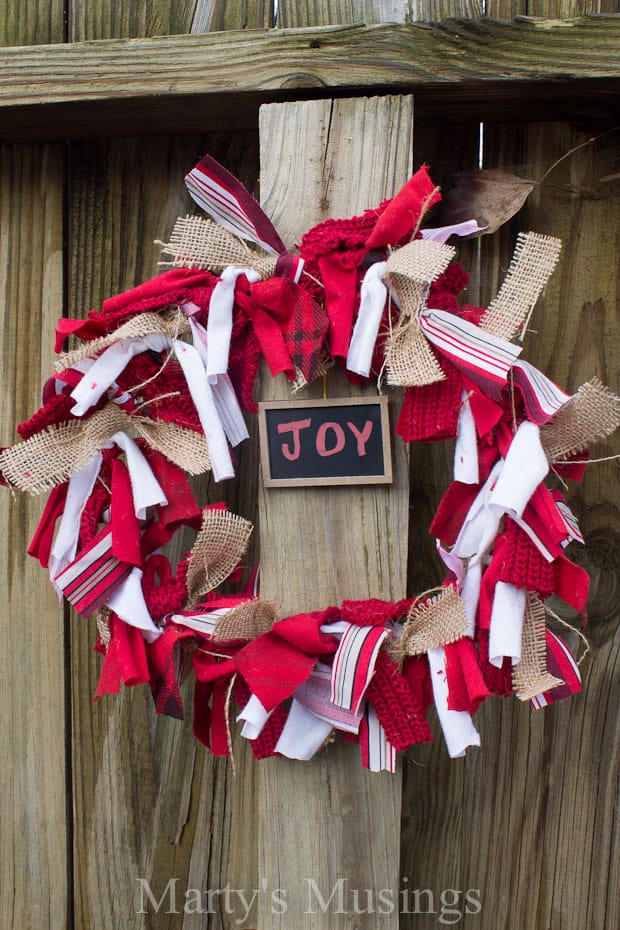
56 410
399 713
523 565
264 745
431 412
373 612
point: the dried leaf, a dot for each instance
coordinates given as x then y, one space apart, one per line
489 196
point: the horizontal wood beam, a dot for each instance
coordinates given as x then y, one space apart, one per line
459 68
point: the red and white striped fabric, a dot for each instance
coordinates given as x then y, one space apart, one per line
484 358
568 518
315 695
561 663
354 664
92 577
228 202
542 398
378 754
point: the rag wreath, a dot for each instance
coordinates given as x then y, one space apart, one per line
154 392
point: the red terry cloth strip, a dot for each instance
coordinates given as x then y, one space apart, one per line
125 659
41 544
431 412
269 305
466 686
523 565
402 215
126 542
572 583
452 510
399 713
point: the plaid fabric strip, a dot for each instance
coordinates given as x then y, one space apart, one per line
304 333
354 664
378 754
92 577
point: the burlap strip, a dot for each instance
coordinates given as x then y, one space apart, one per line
54 454
222 540
435 622
171 324
247 621
533 261
592 413
410 360
530 676
198 242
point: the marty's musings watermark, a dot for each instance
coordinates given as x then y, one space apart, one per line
449 906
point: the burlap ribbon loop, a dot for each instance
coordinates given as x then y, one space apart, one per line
219 546
198 242
410 360
431 623
247 621
171 324
51 456
592 413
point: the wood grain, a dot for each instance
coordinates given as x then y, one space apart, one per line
298 13
33 784
111 86
319 546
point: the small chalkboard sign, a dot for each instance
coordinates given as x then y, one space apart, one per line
323 442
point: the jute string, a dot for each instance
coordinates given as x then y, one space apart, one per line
198 242
410 271
530 676
54 454
220 544
532 264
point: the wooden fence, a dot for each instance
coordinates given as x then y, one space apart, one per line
95 142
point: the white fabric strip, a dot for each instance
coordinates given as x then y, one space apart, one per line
145 487
128 602
219 325
104 371
452 563
525 467
226 403
202 396
203 623
506 623
457 726
80 488
466 447
441 234
373 295
255 717
303 734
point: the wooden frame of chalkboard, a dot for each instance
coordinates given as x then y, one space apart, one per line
343 441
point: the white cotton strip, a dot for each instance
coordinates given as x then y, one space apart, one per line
224 396
466 447
441 234
219 325
106 369
470 593
303 734
525 467
373 295
475 524
255 717
457 726
66 542
452 562
506 623
202 396
127 601
145 487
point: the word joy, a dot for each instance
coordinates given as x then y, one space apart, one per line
330 438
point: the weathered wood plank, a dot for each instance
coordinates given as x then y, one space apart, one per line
216 15
111 86
298 13
107 19
34 23
33 831
530 819
319 546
